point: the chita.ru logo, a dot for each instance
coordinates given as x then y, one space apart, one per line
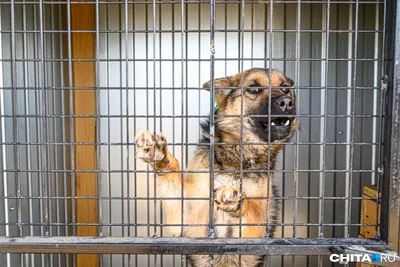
369 258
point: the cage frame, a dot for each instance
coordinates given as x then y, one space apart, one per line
283 246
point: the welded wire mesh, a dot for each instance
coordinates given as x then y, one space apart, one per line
149 61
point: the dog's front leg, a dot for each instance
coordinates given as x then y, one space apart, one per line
152 149
252 211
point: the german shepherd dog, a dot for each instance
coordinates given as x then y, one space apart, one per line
251 201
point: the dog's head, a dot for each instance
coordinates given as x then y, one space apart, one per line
258 99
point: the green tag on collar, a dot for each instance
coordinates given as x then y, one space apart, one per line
216 106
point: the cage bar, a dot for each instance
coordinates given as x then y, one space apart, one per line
204 246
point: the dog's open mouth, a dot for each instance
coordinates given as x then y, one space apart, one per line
279 122
275 128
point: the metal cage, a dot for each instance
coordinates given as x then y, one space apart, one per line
78 78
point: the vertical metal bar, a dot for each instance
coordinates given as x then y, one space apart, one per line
324 125
55 131
44 152
37 100
381 125
296 152
226 38
283 185
199 56
44 123
39 157
324 92
155 112
252 17
161 108
3 147
134 126
348 112
127 120
160 62
394 196
147 121
27 122
109 125
238 36
121 121
375 96
241 67
309 131
123 187
15 122
211 232
27 128
71 124
337 107
270 31
161 129
63 127
173 80
353 122
182 14
187 92
98 128
322 110
362 94
182 112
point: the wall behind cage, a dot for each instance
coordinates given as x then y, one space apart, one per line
146 73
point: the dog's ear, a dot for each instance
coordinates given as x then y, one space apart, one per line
221 85
288 81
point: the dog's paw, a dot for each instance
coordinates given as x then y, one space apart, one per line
150 147
227 198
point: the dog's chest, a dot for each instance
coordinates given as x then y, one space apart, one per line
249 185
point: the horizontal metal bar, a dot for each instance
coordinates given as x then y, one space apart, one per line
188 116
191 31
186 60
193 171
185 198
195 2
182 246
189 144
193 224
138 88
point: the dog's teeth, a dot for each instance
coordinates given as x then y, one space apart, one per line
287 123
273 123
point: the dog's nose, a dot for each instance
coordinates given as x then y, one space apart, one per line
284 103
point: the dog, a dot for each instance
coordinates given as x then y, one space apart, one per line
239 210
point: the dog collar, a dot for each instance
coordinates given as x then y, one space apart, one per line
216 106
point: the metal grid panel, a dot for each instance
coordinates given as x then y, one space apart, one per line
151 59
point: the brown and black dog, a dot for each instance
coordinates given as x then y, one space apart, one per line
256 186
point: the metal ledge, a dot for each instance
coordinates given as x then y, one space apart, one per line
182 246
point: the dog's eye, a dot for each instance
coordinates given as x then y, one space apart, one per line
284 88
253 89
